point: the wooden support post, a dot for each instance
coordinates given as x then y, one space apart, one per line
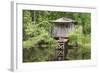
59 52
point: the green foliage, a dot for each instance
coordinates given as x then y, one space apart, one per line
35 36
38 45
83 49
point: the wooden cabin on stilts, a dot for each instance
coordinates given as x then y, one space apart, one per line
62 27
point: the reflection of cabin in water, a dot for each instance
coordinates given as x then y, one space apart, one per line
62 27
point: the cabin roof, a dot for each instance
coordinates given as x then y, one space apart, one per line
63 20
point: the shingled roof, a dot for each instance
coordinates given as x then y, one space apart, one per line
63 20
